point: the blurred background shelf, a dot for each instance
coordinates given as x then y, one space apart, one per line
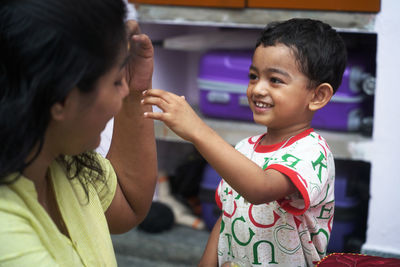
250 17
352 146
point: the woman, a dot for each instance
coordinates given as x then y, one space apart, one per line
68 67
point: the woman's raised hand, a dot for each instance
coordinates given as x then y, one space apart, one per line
140 66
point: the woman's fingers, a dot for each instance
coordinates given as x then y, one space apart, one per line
144 46
141 65
132 27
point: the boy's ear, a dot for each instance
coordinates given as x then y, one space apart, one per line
321 96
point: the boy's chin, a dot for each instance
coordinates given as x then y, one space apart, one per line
259 121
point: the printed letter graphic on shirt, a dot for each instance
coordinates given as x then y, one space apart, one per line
276 218
255 252
290 160
234 235
283 245
321 165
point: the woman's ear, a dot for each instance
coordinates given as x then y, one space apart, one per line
321 96
58 111
61 110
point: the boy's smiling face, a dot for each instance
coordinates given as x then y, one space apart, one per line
278 91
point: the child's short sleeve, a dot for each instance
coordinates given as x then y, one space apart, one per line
218 194
309 164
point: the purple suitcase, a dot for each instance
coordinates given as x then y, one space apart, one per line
222 80
357 78
347 108
343 113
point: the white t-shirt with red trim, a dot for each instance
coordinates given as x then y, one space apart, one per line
293 231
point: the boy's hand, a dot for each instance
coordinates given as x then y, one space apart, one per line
140 66
177 114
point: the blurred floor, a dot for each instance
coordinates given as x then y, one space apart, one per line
179 247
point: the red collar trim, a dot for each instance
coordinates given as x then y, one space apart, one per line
270 148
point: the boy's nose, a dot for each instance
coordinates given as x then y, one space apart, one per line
261 88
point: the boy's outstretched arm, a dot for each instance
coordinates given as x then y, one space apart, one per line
246 177
210 255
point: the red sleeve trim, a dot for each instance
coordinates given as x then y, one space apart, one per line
217 198
295 178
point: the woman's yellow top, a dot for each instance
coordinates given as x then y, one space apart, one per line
28 236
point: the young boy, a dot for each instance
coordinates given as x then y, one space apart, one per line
277 192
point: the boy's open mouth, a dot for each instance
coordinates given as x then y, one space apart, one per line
262 104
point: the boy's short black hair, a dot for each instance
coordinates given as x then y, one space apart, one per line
319 50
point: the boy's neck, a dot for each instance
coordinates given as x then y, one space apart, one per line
275 136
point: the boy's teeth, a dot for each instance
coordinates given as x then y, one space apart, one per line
262 105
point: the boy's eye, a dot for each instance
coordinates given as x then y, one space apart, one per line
275 80
118 83
252 76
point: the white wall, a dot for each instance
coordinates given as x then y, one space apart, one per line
383 233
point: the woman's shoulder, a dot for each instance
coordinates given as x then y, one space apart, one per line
16 202
16 190
83 164
96 180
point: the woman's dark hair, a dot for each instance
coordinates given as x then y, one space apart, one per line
47 48
319 50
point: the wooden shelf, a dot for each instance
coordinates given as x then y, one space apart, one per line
196 3
250 17
344 145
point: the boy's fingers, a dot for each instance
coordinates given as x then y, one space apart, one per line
166 96
154 92
149 100
154 115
